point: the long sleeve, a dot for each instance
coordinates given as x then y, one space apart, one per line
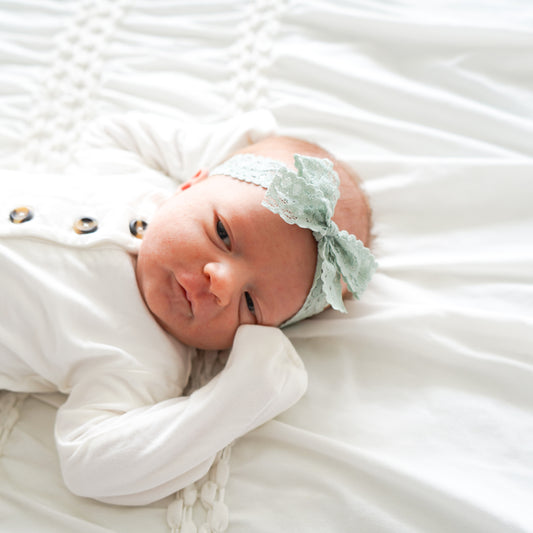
172 147
133 457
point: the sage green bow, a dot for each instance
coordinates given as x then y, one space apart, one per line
308 198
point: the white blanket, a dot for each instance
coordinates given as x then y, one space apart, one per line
418 415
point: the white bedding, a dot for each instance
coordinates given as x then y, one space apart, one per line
418 415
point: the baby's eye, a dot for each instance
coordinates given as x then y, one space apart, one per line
249 303
223 234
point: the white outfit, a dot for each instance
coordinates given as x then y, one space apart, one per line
72 320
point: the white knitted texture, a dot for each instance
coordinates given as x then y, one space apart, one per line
252 54
62 107
209 492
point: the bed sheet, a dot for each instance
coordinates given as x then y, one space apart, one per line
418 415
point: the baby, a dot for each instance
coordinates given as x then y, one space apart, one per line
253 243
215 258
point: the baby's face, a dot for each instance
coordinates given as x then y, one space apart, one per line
213 258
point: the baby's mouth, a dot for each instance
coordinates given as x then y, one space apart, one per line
189 300
183 291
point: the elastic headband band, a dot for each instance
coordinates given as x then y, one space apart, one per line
307 198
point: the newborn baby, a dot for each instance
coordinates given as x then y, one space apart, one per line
214 257
108 309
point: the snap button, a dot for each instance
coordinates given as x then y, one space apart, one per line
138 227
85 225
20 215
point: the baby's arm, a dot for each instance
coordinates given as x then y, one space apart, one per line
139 456
173 147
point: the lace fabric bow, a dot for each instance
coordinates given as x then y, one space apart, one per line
308 198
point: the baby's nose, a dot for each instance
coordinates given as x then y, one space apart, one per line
225 281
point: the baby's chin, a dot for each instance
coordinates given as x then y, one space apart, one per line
198 339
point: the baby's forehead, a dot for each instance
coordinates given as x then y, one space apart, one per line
235 194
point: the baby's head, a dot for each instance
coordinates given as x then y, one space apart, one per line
234 247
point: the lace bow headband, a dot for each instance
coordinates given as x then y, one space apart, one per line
307 198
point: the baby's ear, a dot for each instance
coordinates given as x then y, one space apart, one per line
201 175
